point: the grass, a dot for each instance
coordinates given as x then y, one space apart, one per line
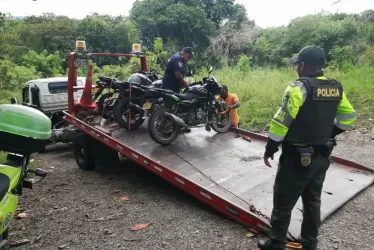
260 92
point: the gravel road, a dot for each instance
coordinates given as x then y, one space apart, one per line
73 209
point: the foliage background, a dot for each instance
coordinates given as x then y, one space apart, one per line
252 61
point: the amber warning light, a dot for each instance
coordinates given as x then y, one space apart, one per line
136 48
80 45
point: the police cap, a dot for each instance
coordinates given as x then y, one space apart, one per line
311 55
189 50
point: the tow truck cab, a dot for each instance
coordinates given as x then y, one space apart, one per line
50 95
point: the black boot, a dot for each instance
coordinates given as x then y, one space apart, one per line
207 127
265 244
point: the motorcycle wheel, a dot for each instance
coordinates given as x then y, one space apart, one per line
157 121
101 102
217 124
122 119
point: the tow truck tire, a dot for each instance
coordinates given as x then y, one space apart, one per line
83 155
120 106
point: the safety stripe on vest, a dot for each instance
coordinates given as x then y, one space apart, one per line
275 137
343 117
341 125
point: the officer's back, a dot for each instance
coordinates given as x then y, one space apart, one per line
176 70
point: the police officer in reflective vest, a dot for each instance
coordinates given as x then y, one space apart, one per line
315 109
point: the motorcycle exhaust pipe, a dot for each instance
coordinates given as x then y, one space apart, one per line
135 108
176 119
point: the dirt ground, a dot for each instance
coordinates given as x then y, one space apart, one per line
73 209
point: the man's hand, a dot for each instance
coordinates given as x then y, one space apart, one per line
229 108
186 84
266 160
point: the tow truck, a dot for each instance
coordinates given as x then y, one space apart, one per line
221 170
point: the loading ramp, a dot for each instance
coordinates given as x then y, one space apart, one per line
225 172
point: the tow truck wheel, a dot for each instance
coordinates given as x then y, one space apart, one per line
83 152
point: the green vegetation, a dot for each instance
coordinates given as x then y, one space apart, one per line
252 61
260 92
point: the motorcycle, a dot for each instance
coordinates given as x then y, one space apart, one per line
138 103
196 106
107 101
146 78
23 131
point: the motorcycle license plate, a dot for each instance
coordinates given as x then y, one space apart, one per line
147 105
115 95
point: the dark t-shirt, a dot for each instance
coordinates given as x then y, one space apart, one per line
176 63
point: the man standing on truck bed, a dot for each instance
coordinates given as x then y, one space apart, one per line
315 109
176 70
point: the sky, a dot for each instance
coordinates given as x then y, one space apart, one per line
266 13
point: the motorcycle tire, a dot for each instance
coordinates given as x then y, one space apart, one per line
224 128
152 132
100 103
118 111
83 152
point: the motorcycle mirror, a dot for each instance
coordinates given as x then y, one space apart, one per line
13 100
210 69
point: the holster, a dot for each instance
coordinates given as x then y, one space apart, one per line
326 150
306 155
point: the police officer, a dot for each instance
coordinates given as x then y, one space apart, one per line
176 70
315 110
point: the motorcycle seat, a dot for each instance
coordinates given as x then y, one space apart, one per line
185 96
4 185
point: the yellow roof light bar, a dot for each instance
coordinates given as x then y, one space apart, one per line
80 45
136 48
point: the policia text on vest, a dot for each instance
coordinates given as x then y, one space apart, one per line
328 93
315 109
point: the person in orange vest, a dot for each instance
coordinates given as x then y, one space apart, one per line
232 102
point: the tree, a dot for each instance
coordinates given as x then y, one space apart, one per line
49 32
232 42
172 20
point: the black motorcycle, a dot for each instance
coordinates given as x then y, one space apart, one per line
146 78
107 101
196 106
138 103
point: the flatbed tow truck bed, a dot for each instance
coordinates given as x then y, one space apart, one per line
225 172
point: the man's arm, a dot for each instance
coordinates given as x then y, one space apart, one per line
181 80
178 67
345 117
293 99
236 103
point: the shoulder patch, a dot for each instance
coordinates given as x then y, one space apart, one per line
295 83
180 64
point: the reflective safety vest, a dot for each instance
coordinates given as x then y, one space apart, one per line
315 119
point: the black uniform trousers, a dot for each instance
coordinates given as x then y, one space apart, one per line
292 181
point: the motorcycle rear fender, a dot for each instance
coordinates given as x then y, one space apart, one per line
8 206
14 174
